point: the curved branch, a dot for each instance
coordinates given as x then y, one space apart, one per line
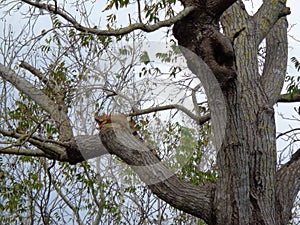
199 119
110 32
192 199
41 99
35 72
287 132
276 61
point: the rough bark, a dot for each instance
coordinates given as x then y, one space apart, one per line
245 191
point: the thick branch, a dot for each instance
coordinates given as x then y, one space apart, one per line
276 60
219 6
41 99
267 15
90 146
235 21
83 148
289 98
27 88
182 195
111 32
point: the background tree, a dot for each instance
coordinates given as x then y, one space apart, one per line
220 42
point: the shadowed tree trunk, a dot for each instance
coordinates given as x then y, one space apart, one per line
246 188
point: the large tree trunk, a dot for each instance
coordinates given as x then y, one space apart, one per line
245 191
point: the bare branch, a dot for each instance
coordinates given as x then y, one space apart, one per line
276 60
27 88
285 133
35 72
82 148
139 11
25 152
69 203
199 119
115 32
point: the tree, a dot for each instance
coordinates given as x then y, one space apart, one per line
220 42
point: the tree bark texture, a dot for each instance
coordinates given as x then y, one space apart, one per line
247 189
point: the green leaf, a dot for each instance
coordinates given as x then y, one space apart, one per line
144 58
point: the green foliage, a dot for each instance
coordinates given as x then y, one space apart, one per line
15 187
190 155
28 117
296 63
144 58
170 56
126 50
151 10
56 21
182 148
154 8
117 4
293 81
